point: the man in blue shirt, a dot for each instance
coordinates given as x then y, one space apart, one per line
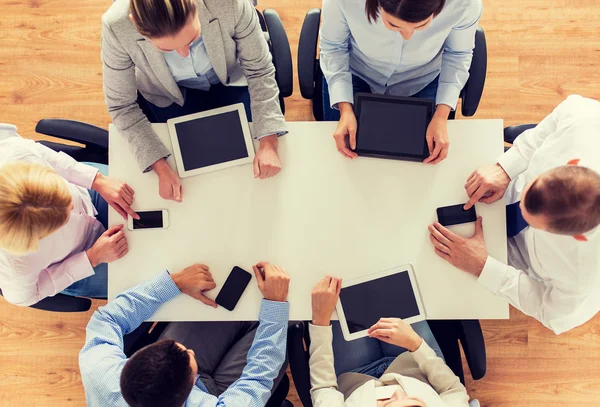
166 373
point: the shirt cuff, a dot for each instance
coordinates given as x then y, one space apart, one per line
84 175
447 94
340 91
274 312
513 163
423 353
279 134
493 274
164 287
81 266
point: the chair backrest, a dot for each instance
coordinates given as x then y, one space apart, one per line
473 89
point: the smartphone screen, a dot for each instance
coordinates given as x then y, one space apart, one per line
149 220
233 288
454 215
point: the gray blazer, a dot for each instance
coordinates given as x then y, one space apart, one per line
238 53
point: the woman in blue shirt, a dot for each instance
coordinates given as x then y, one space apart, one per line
420 48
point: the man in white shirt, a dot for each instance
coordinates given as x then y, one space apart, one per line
554 239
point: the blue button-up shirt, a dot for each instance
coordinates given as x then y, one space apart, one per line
194 71
390 64
102 359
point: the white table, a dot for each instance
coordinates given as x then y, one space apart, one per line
323 214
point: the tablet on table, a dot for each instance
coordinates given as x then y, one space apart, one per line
211 140
392 127
388 294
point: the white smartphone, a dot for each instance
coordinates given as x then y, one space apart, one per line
154 219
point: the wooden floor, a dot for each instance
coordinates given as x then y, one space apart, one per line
539 52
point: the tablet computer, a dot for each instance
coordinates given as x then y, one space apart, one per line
388 294
211 140
392 127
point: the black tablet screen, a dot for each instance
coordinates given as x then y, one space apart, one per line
386 297
211 140
392 128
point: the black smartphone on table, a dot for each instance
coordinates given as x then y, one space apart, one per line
234 287
455 214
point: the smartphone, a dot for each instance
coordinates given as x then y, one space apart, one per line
455 214
155 219
234 287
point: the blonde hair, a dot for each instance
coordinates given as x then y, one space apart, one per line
34 202
161 18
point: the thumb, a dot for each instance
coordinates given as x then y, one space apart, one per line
259 276
177 192
256 167
352 136
204 299
479 226
113 229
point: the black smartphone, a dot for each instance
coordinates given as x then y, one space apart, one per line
234 287
455 214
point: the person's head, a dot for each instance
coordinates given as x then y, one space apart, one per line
171 25
159 375
404 16
564 201
34 202
401 399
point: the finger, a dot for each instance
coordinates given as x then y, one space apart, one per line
383 333
330 282
204 299
352 136
116 206
453 237
177 192
276 170
479 226
472 178
124 251
113 229
128 209
338 288
260 278
429 143
438 236
473 187
477 195
117 236
256 167
442 254
345 152
443 154
130 190
126 196
204 267
436 152
380 325
210 285
438 245
492 198
121 244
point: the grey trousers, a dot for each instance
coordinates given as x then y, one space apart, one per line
221 349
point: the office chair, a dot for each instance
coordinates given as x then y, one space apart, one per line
512 132
447 333
311 77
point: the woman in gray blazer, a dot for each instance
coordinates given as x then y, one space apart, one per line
179 57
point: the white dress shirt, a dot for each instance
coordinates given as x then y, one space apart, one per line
553 278
61 259
390 64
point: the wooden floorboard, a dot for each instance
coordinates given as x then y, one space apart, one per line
539 51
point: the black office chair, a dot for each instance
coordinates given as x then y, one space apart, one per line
311 77
512 132
447 333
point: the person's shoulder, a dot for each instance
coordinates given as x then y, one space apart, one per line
579 103
118 13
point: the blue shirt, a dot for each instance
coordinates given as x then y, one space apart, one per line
194 71
390 64
102 359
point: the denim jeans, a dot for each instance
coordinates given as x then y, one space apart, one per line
359 85
95 286
371 356
197 101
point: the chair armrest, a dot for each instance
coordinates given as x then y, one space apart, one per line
307 52
78 132
64 303
282 56
473 344
298 358
471 93
512 132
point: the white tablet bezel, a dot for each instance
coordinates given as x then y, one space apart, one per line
406 268
240 109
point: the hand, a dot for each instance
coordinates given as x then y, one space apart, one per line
266 160
273 281
110 246
116 193
437 135
324 297
397 332
169 184
487 185
346 129
468 255
194 281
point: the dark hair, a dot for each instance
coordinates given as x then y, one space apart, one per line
411 11
161 18
569 196
158 375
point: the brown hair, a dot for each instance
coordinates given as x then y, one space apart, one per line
569 196
34 202
161 18
411 11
